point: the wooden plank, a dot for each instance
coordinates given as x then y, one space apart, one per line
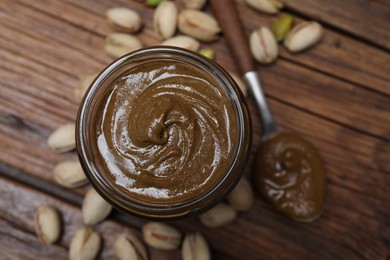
366 19
346 117
246 236
19 204
356 62
370 116
16 243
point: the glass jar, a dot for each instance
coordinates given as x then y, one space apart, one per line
89 155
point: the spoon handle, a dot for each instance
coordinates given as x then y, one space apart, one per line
228 18
235 36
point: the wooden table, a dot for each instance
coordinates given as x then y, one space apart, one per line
337 95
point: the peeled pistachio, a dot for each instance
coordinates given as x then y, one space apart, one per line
266 6
195 248
220 215
153 3
70 174
263 45
94 208
63 138
165 19
128 246
85 245
209 53
240 84
124 19
83 85
198 24
182 41
303 35
47 224
161 236
119 44
241 197
282 26
194 4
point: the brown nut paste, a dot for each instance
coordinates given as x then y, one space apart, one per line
290 174
167 132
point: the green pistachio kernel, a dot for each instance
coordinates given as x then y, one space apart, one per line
209 53
153 3
282 26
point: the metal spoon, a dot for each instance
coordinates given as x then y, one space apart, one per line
286 165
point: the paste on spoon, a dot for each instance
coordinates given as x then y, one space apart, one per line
290 174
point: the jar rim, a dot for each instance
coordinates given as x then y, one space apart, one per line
121 200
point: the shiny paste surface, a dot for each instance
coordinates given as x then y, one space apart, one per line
167 132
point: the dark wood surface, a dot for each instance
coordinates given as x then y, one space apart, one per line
337 95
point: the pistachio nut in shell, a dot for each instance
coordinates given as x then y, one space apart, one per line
63 138
94 208
124 19
241 197
263 45
195 248
194 4
266 6
303 36
70 174
220 215
85 245
165 19
182 41
161 236
199 25
128 246
119 44
47 224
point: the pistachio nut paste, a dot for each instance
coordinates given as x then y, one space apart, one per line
289 172
166 132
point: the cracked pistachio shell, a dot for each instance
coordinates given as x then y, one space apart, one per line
63 138
47 224
241 197
70 174
199 25
124 19
161 236
220 215
85 245
94 208
128 246
263 45
240 83
195 248
83 85
266 6
194 4
165 19
182 41
303 36
119 44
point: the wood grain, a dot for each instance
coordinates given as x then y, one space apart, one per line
368 67
336 95
359 17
